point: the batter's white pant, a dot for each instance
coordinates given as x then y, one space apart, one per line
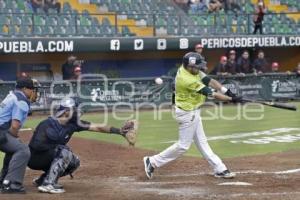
190 129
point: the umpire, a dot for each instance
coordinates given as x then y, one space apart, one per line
48 146
13 113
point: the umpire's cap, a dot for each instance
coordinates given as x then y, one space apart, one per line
194 60
26 82
64 105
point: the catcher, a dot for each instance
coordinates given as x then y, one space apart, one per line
48 145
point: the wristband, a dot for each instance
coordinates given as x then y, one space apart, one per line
223 90
114 130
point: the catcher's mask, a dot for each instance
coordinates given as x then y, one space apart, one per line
66 105
36 95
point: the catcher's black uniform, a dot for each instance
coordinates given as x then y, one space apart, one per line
48 148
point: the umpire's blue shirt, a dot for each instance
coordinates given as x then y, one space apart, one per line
14 106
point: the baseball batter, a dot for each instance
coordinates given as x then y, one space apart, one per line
191 93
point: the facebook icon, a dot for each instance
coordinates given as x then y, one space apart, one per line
115 45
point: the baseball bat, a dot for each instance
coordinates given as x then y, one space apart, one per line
273 104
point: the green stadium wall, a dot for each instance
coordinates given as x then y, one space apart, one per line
287 57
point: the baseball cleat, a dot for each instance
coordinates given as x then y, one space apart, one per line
9 190
149 169
39 181
50 189
225 174
12 188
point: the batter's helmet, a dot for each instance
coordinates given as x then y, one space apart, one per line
194 60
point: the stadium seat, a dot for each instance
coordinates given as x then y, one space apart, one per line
39 20
172 30
199 20
210 20
48 30
51 20
221 20
27 20
160 21
95 31
106 22
4 19
37 31
160 31
25 30
70 30
83 30
59 30
52 11
16 20
126 31
136 16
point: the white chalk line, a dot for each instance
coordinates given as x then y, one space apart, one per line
290 171
248 134
260 194
165 183
25 129
236 183
255 133
177 192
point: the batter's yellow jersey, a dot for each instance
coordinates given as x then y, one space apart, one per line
187 86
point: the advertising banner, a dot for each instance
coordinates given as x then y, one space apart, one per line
69 45
145 91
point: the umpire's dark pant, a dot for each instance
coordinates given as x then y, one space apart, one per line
16 157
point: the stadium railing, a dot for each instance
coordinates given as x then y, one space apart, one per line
103 25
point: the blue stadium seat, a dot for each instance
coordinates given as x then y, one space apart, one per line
26 30
27 20
37 31
48 30
70 30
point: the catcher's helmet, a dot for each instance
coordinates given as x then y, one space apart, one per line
65 104
194 60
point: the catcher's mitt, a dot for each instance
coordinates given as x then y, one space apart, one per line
129 131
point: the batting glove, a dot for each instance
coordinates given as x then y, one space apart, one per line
229 93
237 99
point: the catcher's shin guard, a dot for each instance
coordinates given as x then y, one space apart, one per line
74 164
59 165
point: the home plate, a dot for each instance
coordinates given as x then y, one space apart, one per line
235 183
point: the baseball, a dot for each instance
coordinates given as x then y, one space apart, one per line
158 81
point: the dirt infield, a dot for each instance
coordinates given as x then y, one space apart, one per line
114 172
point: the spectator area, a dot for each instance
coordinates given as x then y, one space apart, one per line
100 18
